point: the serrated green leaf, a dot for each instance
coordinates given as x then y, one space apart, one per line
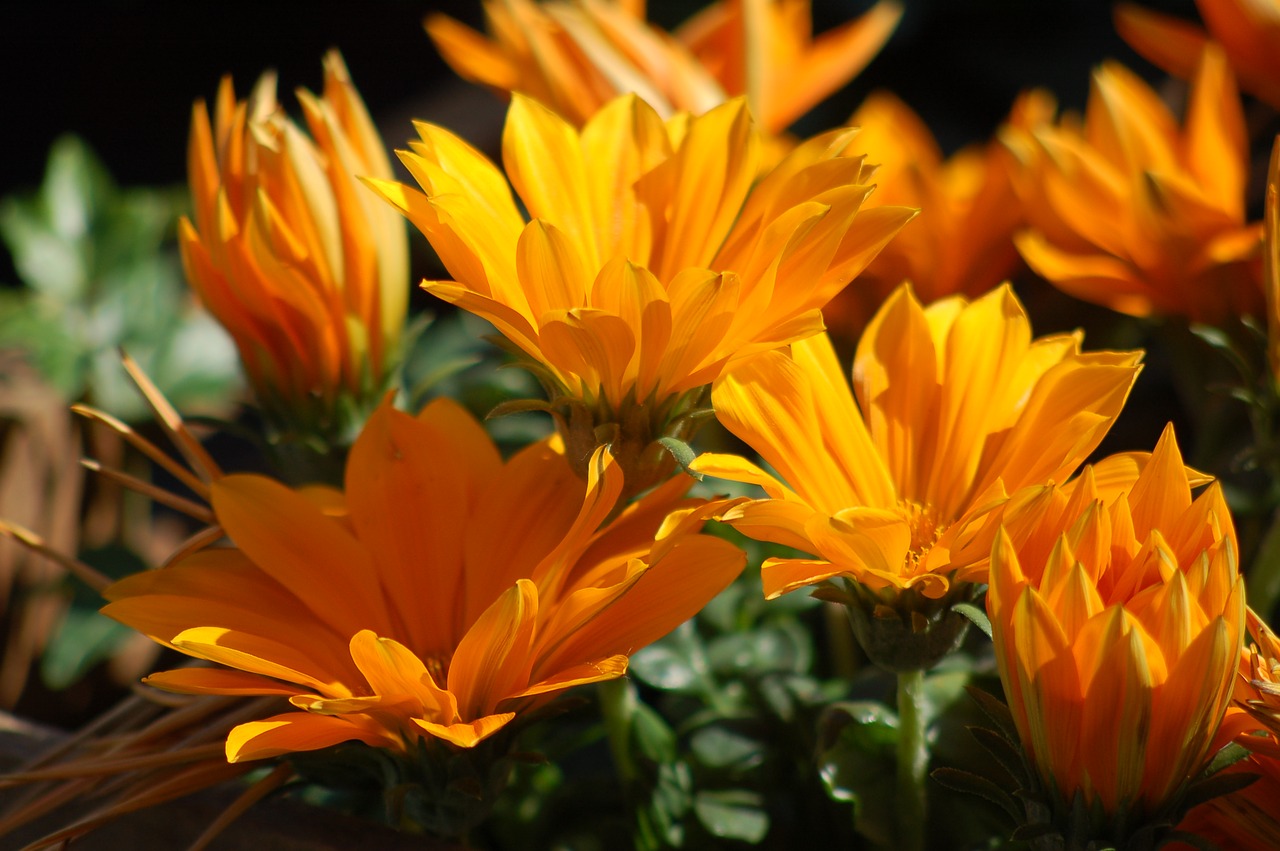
995 710
975 615
973 784
1007 753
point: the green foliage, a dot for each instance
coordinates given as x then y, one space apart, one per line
455 358
101 274
87 637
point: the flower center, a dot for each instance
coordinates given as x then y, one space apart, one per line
926 529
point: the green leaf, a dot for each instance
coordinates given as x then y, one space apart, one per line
973 784
84 639
663 667
858 763
1228 755
977 616
719 747
996 711
682 453
732 814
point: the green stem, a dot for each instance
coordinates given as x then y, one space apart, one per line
913 760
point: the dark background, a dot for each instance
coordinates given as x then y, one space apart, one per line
123 73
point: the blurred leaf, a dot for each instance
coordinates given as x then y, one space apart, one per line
661 666
454 358
942 689
86 637
733 814
102 273
719 747
858 763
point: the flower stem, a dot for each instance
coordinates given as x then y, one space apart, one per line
913 760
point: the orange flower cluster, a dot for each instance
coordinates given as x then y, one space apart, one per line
1129 211
577 57
1248 31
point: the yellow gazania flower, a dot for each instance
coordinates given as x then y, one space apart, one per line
443 593
962 241
576 57
653 259
303 265
1248 30
879 488
1132 213
1117 619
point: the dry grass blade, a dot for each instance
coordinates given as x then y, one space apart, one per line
86 574
94 767
195 543
182 438
255 793
146 447
160 495
148 792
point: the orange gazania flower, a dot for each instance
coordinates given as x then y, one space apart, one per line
878 483
654 257
1133 213
962 241
1248 30
577 57
1250 817
297 260
444 592
1117 617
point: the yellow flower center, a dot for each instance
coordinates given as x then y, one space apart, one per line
926 530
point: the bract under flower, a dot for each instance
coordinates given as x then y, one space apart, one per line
444 592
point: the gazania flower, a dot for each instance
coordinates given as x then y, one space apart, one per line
576 57
962 241
1249 818
1117 622
443 593
654 257
302 264
1133 213
1248 31
878 483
